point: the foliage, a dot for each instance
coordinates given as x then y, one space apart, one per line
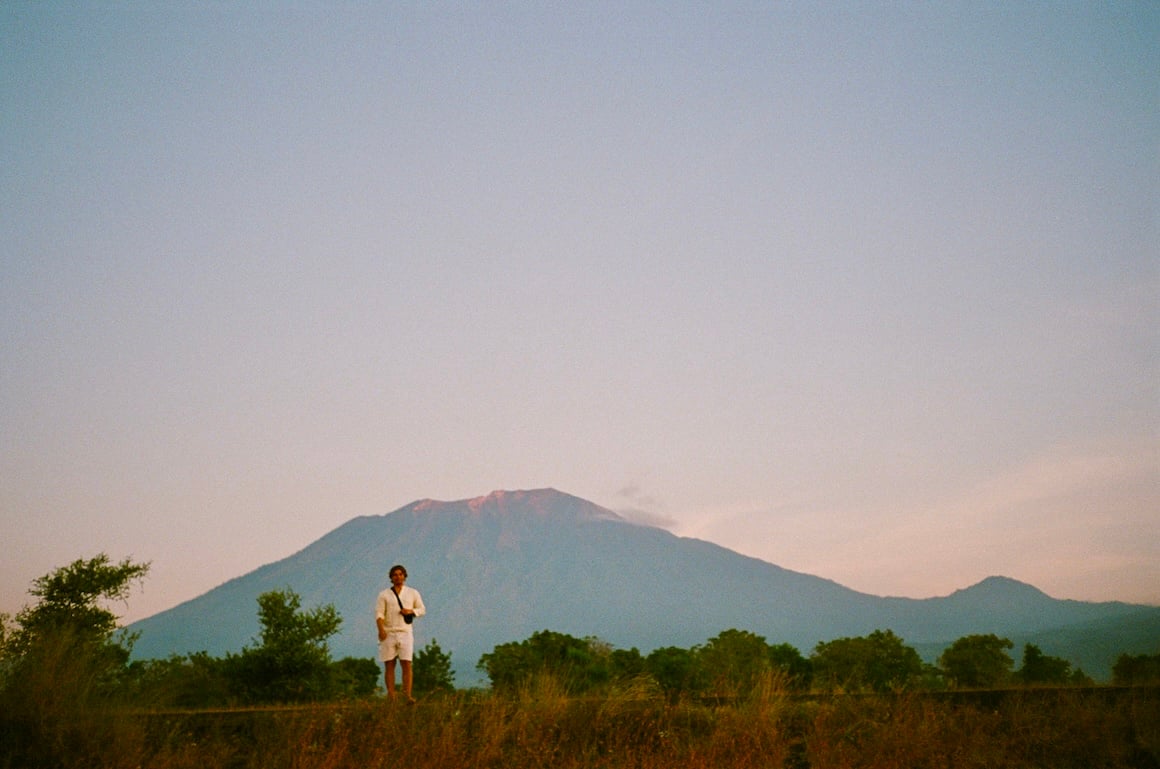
354 677
1039 668
201 681
879 662
1136 670
736 661
62 659
675 670
192 681
72 599
787 659
288 630
291 662
70 619
433 670
626 664
6 631
977 661
578 665
733 663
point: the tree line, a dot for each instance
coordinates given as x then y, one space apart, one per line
66 650
736 663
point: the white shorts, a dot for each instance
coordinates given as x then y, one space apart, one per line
401 645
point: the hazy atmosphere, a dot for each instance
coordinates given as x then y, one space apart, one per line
865 290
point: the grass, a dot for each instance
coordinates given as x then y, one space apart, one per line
633 728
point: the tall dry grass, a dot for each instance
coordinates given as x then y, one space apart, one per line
1058 728
55 706
634 727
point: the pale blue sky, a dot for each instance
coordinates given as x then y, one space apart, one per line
866 290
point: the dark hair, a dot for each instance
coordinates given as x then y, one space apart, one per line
397 567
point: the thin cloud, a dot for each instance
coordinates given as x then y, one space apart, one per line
641 508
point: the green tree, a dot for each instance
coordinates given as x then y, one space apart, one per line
879 661
675 670
71 626
62 660
1040 668
201 681
626 663
579 665
192 681
1136 670
291 662
789 660
977 661
355 677
6 631
73 602
433 670
734 661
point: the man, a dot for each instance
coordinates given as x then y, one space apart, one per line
395 610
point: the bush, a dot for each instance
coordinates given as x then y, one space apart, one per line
878 662
1136 670
433 670
63 665
977 661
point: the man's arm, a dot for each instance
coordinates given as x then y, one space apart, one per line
419 608
380 618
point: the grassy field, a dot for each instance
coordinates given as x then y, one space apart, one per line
1046 728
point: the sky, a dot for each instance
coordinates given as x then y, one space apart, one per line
867 290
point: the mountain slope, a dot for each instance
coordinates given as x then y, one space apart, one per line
501 567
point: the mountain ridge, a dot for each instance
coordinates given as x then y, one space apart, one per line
499 567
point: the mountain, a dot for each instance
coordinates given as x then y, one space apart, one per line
498 568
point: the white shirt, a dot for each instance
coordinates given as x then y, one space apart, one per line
387 608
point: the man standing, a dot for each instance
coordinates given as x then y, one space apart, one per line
395 610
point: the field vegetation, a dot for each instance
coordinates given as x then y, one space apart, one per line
69 697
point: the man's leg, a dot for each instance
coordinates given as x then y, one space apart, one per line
406 678
389 676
